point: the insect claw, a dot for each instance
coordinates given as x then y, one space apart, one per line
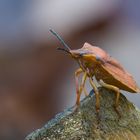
75 108
98 116
117 111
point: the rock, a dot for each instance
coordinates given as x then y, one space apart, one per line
85 124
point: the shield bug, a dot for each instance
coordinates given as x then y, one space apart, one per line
95 62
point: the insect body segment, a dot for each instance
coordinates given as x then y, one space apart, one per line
95 62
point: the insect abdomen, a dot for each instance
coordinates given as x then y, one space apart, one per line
101 73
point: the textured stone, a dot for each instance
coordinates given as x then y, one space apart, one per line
84 124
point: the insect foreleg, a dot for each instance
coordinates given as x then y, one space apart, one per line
114 88
77 73
81 88
97 105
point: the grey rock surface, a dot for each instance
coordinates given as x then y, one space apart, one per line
84 124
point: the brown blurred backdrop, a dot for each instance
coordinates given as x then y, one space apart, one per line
37 81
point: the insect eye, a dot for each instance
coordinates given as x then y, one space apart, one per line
98 58
82 54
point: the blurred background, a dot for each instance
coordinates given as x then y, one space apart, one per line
37 81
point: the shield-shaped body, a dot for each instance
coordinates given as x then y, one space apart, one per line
109 69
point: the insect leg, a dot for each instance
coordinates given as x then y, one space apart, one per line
85 92
77 73
116 89
81 88
97 105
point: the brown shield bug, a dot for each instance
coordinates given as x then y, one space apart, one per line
95 62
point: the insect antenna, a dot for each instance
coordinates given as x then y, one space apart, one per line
61 40
62 49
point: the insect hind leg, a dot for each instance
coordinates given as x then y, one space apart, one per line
116 89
